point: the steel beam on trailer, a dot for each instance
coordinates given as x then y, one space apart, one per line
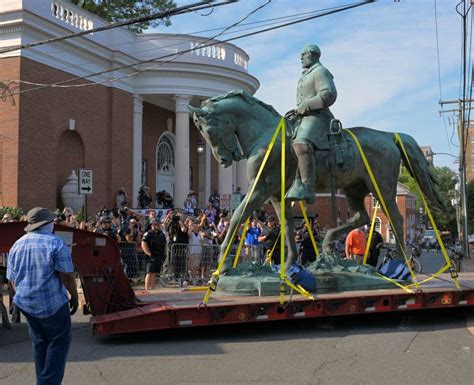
157 316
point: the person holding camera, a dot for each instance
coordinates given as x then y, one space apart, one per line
144 197
178 245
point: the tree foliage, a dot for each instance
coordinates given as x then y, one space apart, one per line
122 10
446 178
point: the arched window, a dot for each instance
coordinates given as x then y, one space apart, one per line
165 163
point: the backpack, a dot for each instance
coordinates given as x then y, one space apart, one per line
395 269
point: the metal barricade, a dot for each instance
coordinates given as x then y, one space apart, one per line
133 259
184 263
195 263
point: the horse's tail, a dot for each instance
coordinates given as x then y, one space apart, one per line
421 171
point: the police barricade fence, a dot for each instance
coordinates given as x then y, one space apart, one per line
184 263
194 264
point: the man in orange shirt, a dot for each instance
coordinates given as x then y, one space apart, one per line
355 245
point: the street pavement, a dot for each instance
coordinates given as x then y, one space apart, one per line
416 348
428 347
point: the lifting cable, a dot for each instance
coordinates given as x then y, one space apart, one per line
383 204
283 279
448 265
215 276
371 233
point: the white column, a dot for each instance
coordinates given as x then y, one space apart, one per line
242 180
208 173
137 147
181 162
224 180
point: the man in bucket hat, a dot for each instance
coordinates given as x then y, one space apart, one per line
40 269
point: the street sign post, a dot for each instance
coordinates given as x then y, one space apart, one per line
85 181
85 185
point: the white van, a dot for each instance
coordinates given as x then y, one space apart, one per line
429 239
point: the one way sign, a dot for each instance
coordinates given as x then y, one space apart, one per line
85 181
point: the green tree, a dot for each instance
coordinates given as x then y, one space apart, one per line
122 10
446 178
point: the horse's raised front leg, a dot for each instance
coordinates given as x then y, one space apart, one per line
360 218
289 230
238 217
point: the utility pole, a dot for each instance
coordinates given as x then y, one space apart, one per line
462 134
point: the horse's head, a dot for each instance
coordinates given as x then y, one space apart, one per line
217 129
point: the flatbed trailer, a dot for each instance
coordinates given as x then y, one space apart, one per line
117 309
170 308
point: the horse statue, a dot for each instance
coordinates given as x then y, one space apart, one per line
239 126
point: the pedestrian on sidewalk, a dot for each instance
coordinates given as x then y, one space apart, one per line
40 270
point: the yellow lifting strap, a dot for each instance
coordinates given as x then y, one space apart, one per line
371 233
406 288
310 230
242 238
282 214
448 265
383 204
216 274
270 253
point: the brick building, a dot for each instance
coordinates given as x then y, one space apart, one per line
130 126
406 206
470 153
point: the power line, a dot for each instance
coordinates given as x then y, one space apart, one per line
173 55
161 15
260 23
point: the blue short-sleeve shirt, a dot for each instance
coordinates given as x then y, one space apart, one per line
34 263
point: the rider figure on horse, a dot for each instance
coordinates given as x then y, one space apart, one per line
316 92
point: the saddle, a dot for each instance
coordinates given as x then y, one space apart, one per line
341 152
337 142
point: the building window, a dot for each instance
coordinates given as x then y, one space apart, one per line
375 202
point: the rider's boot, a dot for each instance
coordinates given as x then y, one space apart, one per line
303 186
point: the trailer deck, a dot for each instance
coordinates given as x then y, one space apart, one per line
168 308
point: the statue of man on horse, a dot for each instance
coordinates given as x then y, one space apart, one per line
315 94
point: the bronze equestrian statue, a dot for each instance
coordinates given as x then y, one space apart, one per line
239 126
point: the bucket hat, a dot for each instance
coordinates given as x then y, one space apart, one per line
37 217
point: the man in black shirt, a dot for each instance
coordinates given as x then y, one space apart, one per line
268 237
307 251
374 250
154 246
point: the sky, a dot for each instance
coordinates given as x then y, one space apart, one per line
383 57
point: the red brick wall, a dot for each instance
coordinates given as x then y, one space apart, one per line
402 207
104 123
9 120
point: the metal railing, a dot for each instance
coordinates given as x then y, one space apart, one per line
184 263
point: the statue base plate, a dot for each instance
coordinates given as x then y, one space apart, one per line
332 275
